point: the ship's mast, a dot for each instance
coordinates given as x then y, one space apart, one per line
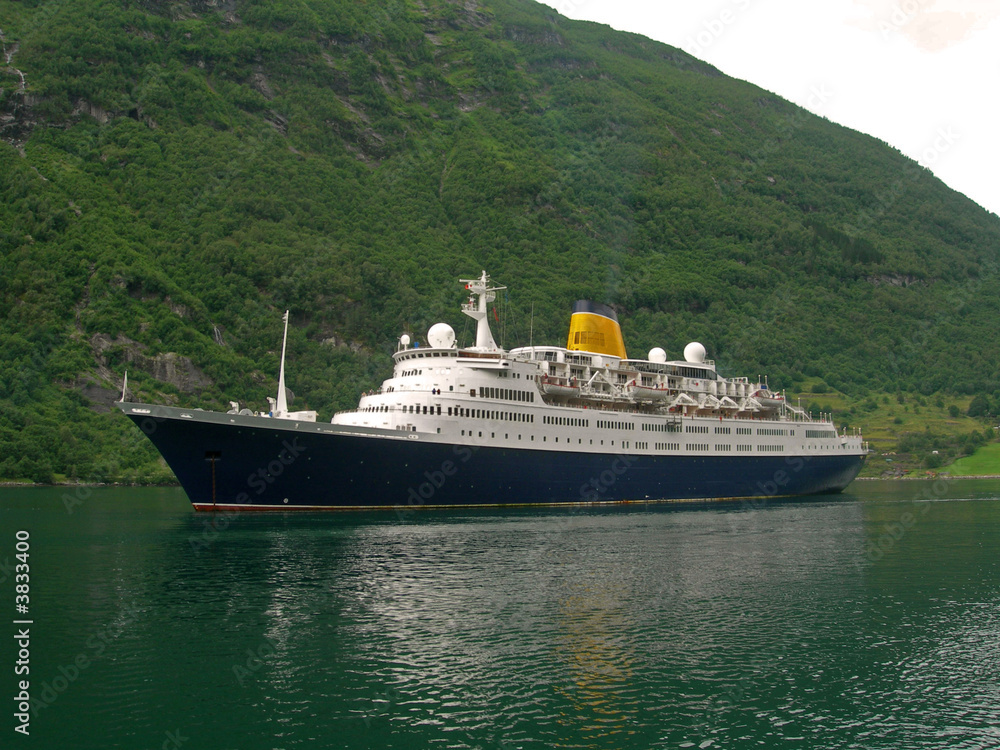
476 309
281 408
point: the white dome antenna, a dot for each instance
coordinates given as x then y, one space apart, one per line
694 353
656 354
441 336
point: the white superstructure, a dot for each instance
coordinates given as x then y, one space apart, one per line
568 399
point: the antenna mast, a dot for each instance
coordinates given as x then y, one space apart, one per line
281 409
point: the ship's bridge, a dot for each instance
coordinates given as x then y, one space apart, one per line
561 355
409 354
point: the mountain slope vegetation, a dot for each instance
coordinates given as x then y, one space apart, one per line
176 174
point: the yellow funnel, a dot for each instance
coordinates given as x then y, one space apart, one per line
594 328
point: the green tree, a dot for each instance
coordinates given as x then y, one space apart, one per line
979 406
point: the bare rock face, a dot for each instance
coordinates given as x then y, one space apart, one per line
100 396
169 367
179 371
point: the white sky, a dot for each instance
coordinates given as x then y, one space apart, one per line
921 75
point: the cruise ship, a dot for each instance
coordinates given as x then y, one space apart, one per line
483 426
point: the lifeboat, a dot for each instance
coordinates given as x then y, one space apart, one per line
768 399
648 392
559 387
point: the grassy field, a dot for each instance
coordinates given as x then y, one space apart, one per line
985 461
905 430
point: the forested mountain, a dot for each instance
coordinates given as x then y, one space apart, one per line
174 175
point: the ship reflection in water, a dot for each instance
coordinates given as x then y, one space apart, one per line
631 627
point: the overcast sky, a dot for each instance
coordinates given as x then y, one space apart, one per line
921 75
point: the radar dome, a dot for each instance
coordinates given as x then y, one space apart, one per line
694 353
441 336
404 340
656 354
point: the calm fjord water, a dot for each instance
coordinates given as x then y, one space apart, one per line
867 620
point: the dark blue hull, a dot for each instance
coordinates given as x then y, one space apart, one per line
225 461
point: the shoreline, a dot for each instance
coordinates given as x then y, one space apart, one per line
927 478
15 484
10 483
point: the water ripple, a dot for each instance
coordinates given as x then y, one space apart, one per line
625 628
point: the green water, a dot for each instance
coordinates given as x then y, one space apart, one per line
867 620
